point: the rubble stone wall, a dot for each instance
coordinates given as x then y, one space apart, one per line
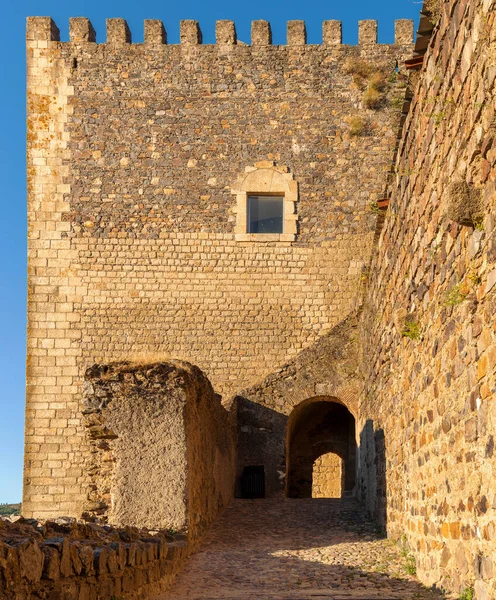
133 152
71 561
427 417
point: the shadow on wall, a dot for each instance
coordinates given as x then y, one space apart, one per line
260 431
372 490
326 371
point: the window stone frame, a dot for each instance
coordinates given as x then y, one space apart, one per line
266 179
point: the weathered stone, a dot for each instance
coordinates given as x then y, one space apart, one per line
87 559
100 561
481 590
112 561
51 566
445 557
131 555
183 401
487 569
31 560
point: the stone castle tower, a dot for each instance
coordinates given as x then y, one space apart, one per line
141 161
221 206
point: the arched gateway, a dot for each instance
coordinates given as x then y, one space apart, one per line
308 452
320 449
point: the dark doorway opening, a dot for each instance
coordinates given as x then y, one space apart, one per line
321 450
253 482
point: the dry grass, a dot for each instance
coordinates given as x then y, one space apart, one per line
372 98
358 126
148 357
360 69
377 81
433 9
370 78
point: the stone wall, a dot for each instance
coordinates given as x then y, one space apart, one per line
66 560
327 476
427 416
133 153
162 446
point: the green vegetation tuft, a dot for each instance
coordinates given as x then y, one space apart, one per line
411 330
454 296
410 566
474 278
438 117
8 510
397 103
479 222
467 594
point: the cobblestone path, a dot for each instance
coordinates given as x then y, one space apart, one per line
296 550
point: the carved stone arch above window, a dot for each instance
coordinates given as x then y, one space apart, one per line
272 186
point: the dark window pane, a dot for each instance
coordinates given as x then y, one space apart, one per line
265 214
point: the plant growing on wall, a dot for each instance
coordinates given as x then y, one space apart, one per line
411 329
433 10
406 324
410 565
358 126
474 278
454 296
397 103
369 78
467 594
360 69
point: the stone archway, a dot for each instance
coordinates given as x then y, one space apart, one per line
317 428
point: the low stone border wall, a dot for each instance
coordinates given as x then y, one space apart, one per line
67 560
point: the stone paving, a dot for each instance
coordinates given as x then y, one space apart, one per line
288 549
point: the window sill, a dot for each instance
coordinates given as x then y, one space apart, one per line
264 237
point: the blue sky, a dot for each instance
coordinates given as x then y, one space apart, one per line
12 143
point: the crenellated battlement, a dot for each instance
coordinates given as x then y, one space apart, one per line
118 33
